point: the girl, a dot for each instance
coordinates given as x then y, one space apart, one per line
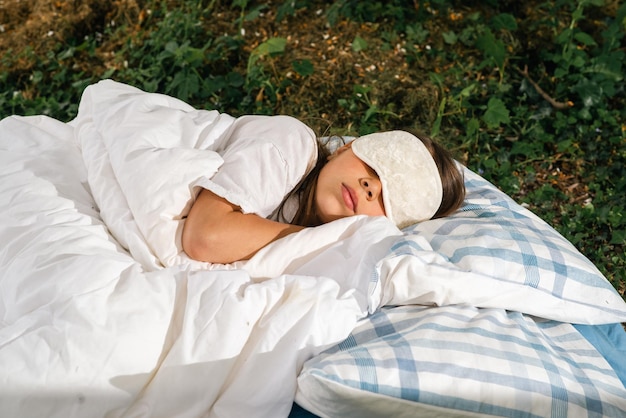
393 174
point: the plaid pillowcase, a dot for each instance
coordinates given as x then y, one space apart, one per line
456 360
495 253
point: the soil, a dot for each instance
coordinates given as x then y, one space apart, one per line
38 25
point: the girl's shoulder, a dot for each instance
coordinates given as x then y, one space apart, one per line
293 139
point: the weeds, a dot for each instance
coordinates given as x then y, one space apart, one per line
529 95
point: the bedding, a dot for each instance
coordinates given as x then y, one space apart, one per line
505 359
459 360
88 330
104 315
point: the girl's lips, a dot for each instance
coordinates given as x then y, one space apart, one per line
349 197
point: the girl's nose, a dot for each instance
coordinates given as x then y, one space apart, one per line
372 187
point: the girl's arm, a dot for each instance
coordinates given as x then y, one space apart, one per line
218 232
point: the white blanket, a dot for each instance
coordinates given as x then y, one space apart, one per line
103 314
93 324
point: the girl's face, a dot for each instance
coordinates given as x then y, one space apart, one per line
346 186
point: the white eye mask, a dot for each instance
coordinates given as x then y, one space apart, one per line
412 187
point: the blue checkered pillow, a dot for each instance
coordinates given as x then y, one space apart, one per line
495 253
455 360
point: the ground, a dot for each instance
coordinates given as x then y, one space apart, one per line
41 25
364 76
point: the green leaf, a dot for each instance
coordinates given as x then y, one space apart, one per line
504 21
37 76
370 112
437 124
467 91
272 46
606 71
171 47
239 3
417 33
492 48
578 13
359 44
436 79
496 113
589 92
579 61
564 36
450 37
68 53
288 8
108 73
560 72
184 85
234 79
254 13
361 90
194 56
472 127
303 67
618 237
584 39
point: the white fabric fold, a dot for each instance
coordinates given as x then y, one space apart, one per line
89 328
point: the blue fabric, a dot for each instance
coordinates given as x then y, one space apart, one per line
610 341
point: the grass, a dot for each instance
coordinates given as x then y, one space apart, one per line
530 95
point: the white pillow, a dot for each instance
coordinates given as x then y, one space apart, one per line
494 253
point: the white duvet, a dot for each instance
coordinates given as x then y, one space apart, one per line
104 315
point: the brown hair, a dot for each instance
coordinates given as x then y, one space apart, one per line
451 178
304 191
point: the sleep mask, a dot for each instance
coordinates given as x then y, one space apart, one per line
412 187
